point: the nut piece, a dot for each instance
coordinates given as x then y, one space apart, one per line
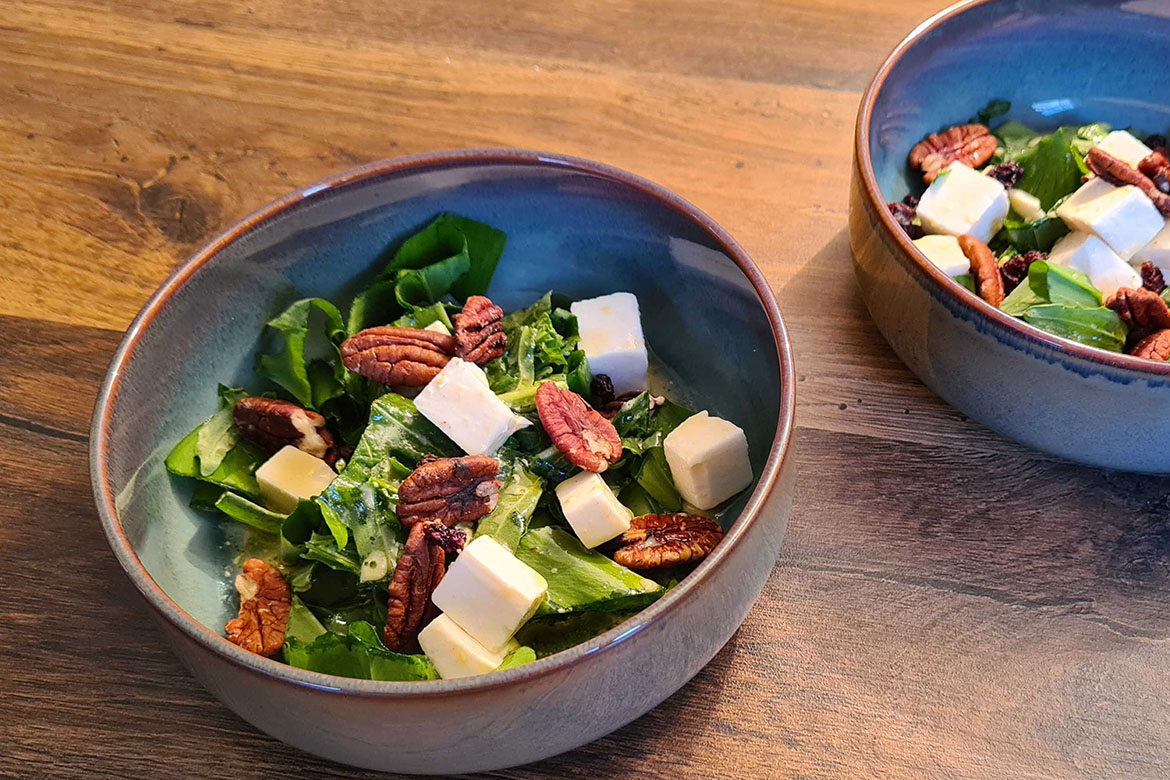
1157 168
479 335
264 604
658 541
1155 346
420 569
984 268
1140 309
971 145
1117 173
587 439
273 424
399 357
449 490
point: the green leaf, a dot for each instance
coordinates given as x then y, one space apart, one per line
375 305
1100 327
1039 235
643 425
303 625
967 280
519 497
244 511
420 318
235 472
1058 284
1020 300
551 634
1015 137
518 657
1051 169
365 508
359 654
219 434
397 429
580 378
309 332
995 108
655 478
449 235
323 547
579 579
637 500
417 287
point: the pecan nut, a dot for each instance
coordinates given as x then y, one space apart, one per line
1155 346
1140 309
419 571
272 424
479 333
1157 168
658 541
985 269
399 357
971 145
449 490
585 437
1119 174
265 601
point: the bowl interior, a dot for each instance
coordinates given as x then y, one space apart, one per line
578 230
1069 62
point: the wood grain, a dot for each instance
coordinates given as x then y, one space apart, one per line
948 604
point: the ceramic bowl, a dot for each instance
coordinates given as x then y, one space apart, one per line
1058 63
576 226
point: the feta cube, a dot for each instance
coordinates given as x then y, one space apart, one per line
1125 147
455 653
962 201
1091 256
1122 217
438 327
611 335
489 592
944 252
460 403
1157 251
1026 205
708 459
592 509
290 475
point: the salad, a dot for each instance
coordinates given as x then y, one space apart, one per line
1065 230
428 487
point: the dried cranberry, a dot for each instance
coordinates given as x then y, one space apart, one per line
602 390
1152 278
1008 174
911 201
904 216
1155 140
1015 270
452 540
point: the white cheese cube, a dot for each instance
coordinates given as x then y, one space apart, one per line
944 252
708 459
1157 251
611 335
592 509
962 201
460 403
1125 147
438 327
489 592
1122 217
1026 205
290 475
455 653
1091 256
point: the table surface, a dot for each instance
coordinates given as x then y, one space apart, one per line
947 603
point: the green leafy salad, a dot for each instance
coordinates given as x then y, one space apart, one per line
1065 230
431 488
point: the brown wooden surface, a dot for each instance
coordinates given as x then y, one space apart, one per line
947 603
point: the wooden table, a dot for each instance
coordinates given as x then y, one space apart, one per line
948 604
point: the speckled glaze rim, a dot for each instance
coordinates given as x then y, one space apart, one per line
941 284
266 667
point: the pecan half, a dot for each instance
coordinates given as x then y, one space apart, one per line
1140 309
479 334
658 541
399 357
984 268
449 490
264 604
971 145
419 571
1157 168
1118 173
587 439
273 424
1155 346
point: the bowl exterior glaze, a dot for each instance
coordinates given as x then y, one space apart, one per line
1057 64
572 226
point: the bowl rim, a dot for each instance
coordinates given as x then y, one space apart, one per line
942 283
389 169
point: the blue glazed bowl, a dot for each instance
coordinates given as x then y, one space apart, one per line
1066 62
579 227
